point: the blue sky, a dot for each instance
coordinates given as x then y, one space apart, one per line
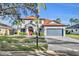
64 11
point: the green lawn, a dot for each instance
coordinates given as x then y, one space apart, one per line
19 43
76 36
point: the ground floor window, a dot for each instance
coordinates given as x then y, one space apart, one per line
23 30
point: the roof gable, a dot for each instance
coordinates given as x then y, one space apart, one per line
48 22
30 18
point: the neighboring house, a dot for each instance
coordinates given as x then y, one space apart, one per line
5 30
74 29
50 27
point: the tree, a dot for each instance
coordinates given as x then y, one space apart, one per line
38 20
11 10
58 20
74 21
71 21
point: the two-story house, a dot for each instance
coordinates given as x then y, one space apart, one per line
49 27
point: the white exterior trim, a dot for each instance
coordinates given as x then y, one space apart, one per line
74 31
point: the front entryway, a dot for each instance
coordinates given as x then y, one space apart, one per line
30 30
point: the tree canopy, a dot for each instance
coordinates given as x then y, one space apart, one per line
74 21
11 10
58 20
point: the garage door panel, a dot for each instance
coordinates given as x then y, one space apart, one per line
54 32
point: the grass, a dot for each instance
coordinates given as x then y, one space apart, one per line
20 39
76 36
14 47
20 43
23 33
41 34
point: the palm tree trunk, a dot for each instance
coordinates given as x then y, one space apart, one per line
37 35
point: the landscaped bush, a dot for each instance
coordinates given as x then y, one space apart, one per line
41 34
24 48
29 41
15 47
22 33
20 40
26 40
5 46
8 39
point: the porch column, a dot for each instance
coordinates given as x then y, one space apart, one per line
18 31
8 32
3 32
27 32
64 31
45 31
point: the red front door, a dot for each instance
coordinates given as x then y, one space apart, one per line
30 30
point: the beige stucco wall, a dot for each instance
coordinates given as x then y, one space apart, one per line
18 32
4 31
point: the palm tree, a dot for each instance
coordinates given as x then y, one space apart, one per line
38 20
11 10
71 21
58 20
76 21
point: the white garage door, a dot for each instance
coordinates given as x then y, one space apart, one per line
54 32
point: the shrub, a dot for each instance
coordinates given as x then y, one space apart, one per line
41 34
29 41
23 48
5 46
22 33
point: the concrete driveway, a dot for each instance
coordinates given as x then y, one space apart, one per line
66 45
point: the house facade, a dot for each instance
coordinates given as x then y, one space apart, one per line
50 27
5 30
28 26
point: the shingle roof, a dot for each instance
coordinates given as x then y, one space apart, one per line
74 27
